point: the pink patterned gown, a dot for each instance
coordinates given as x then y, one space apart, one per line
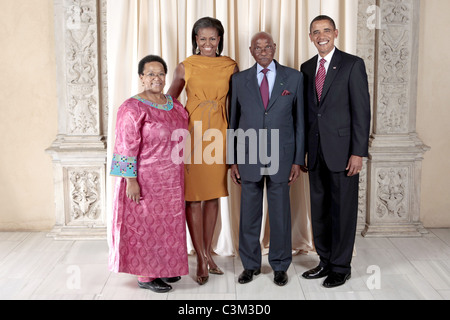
149 238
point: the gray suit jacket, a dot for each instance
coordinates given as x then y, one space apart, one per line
267 142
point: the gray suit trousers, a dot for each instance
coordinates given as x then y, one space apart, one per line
280 251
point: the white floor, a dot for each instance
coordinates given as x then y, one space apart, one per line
33 266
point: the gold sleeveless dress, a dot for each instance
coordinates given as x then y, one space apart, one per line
207 86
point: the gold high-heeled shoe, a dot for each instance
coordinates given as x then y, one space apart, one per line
201 280
215 270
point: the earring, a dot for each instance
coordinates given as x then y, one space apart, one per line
197 51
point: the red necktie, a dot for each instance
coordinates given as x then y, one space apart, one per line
264 89
320 78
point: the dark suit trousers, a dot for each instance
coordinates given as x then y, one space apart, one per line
280 251
334 212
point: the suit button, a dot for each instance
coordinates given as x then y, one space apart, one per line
266 113
319 115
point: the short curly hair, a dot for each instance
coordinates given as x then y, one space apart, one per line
148 59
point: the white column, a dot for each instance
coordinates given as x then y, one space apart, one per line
79 151
394 167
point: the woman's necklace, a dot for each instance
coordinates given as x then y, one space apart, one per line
166 101
162 99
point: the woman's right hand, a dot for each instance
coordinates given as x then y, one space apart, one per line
133 190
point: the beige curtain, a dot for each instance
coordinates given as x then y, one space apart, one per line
137 28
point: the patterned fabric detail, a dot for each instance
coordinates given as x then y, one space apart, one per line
123 166
320 78
166 107
149 239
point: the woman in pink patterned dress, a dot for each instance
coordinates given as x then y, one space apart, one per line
149 223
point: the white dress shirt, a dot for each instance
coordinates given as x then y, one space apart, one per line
271 75
328 59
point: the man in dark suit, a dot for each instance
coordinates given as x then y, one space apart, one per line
338 123
267 120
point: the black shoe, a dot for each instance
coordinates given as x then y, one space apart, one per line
247 275
336 279
280 278
316 273
171 280
156 285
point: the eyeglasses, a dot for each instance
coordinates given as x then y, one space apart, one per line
154 75
259 50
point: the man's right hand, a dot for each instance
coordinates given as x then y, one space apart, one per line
235 176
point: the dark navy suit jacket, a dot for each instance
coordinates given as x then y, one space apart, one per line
340 123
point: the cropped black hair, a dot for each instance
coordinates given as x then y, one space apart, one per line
148 59
321 18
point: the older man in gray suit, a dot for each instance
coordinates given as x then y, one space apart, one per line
266 147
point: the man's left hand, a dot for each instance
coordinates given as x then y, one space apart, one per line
355 165
295 173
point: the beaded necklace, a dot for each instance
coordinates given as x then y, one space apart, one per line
166 107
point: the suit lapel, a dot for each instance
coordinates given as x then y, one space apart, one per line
279 85
333 70
252 85
312 71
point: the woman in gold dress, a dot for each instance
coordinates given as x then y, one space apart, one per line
206 75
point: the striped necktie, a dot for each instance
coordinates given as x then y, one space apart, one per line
320 78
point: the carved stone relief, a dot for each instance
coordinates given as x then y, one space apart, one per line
395 67
85 193
392 194
82 67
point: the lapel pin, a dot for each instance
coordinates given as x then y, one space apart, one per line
334 68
